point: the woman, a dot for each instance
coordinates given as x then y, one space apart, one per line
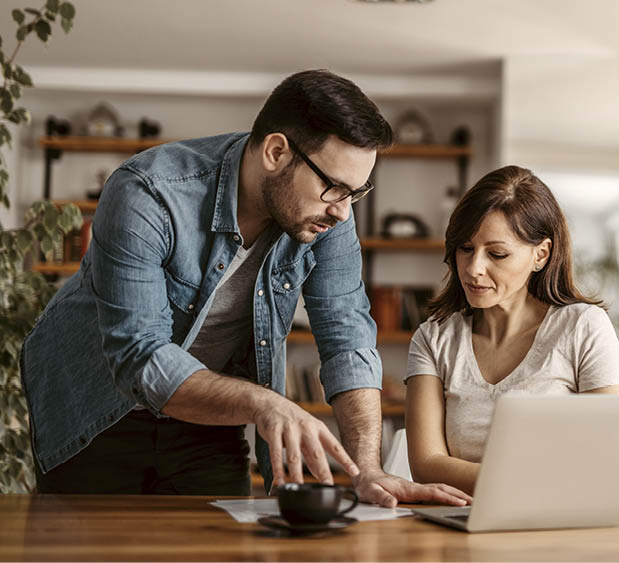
509 319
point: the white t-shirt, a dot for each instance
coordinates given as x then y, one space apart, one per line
575 349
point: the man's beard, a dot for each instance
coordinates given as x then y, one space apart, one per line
285 209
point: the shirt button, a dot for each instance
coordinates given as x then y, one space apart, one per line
237 238
263 343
260 292
286 285
190 306
220 266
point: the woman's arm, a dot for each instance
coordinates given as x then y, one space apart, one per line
608 390
428 456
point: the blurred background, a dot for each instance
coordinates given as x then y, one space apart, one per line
470 85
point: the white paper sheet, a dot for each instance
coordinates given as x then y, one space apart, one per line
251 509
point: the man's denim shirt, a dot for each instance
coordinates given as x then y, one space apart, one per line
116 335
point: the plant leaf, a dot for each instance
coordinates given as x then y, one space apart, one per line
33 11
16 90
18 16
6 101
43 30
7 70
22 76
67 10
66 25
52 5
50 218
47 245
21 33
24 239
5 135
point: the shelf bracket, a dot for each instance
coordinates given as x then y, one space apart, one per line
50 154
463 169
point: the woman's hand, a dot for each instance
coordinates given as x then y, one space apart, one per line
387 490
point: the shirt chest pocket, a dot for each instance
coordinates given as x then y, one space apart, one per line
183 299
287 282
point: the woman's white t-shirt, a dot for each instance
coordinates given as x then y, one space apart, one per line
575 349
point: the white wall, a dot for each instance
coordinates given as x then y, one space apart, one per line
561 119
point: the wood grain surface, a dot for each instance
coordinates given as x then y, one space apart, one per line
177 528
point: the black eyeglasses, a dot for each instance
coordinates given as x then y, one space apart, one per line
334 193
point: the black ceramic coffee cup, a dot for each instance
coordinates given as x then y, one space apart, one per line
313 503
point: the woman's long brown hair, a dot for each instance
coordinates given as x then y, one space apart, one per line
534 215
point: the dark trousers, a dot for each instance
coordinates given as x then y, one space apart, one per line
142 454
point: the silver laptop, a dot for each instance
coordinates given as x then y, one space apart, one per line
549 462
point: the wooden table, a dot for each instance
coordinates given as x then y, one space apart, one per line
175 528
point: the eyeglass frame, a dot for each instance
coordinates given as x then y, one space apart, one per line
360 192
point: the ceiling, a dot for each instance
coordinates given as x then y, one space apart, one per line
343 35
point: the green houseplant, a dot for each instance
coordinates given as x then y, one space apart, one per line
23 294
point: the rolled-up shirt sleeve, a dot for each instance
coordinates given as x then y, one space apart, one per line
132 239
339 314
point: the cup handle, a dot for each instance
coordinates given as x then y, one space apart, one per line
351 495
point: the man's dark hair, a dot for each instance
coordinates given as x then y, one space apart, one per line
310 106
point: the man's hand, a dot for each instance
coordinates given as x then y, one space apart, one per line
283 424
387 490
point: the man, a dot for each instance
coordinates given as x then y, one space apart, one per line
145 367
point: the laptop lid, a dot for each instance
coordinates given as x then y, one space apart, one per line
549 462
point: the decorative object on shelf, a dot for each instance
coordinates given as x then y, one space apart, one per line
386 309
403 225
412 128
57 127
396 308
101 178
461 136
103 122
148 129
23 293
414 304
303 384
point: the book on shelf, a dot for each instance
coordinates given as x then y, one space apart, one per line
303 384
85 236
396 308
74 244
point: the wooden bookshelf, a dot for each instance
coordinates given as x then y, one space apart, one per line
86 206
324 409
383 337
60 268
85 143
99 144
426 151
403 244
300 337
